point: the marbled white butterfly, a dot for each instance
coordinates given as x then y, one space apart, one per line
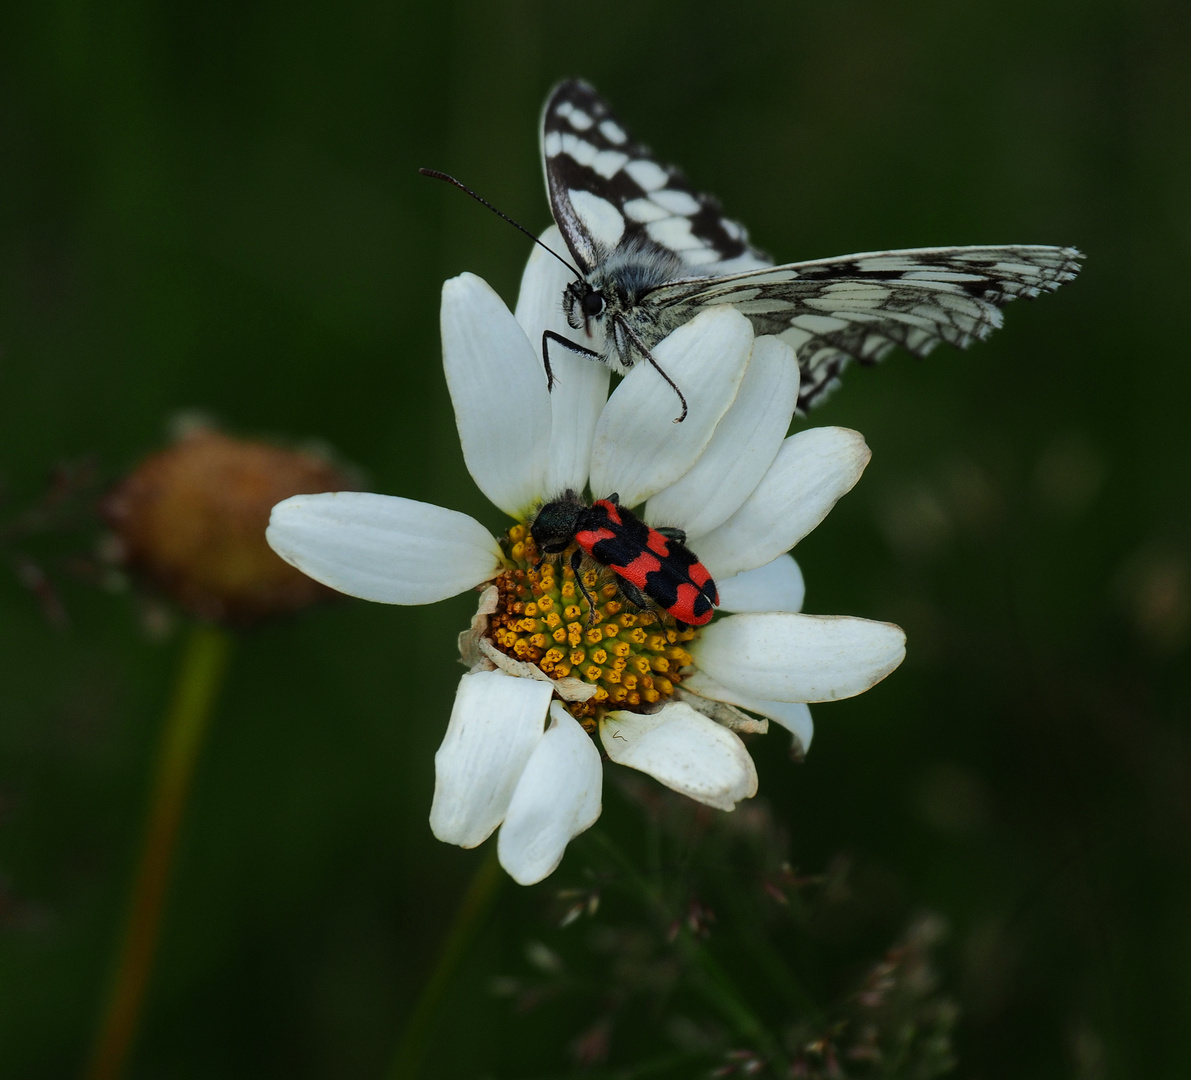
652 252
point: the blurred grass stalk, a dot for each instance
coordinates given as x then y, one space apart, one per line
199 679
473 909
710 980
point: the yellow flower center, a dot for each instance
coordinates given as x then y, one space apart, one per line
633 658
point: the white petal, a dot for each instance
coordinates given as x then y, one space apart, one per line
539 301
808 476
383 548
495 724
498 388
788 657
638 448
795 716
742 449
580 385
684 750
557 798
776 586
580 390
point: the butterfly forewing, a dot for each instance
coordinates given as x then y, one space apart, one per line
608 192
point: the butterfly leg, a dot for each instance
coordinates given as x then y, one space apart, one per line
640 346
549 336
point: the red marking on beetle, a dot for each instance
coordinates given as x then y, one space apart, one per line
611 509
683 608
639 569
700 575
658 543
588 538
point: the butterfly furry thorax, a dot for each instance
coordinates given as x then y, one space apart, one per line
652 253
621 283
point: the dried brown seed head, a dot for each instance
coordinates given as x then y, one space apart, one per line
191 521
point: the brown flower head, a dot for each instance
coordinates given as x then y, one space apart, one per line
190 520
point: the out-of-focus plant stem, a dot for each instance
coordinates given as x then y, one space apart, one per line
199 679
711 980
473 909
665 1063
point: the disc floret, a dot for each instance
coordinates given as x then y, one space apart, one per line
634 658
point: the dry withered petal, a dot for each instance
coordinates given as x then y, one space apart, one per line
191 520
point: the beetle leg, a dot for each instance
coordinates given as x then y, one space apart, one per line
576 563
634 595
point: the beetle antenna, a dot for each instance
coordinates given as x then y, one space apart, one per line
499 213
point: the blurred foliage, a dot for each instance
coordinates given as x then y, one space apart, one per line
215 205
702 935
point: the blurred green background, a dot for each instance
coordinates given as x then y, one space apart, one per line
215 205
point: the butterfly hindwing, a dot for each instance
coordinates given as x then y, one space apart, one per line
858 307
608 193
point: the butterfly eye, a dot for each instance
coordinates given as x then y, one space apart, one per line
593 304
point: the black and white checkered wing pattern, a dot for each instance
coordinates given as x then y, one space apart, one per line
608 194
858 307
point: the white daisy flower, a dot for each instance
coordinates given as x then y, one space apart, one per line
546 674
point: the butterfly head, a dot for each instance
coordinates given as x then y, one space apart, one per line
617 285
583 304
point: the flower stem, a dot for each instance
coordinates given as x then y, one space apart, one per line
203 664
475 905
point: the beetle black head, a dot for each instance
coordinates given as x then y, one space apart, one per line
555 526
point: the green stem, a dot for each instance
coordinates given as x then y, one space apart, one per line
419 1029
203 664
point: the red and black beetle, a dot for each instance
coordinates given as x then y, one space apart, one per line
651 564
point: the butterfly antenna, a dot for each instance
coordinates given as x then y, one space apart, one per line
640 346
499 213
